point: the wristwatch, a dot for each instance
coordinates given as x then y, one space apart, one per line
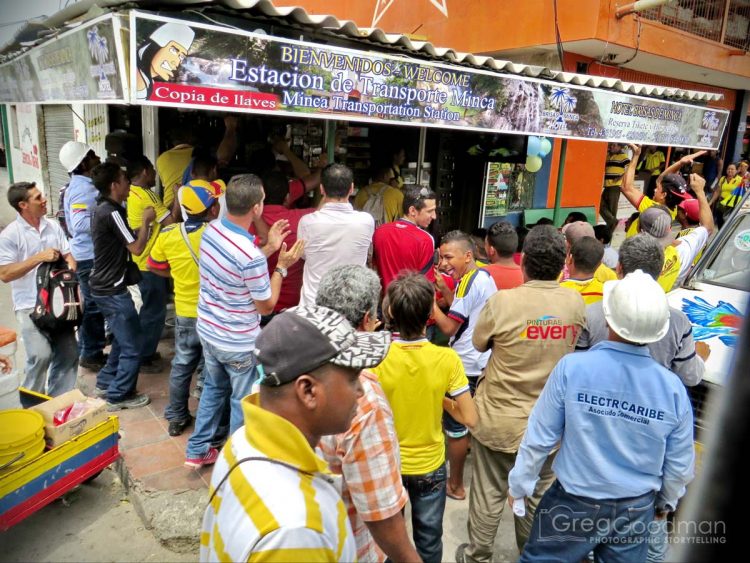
281 271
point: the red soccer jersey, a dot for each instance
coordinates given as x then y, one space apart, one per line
402 245
290 288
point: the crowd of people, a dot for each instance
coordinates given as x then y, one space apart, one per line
346 365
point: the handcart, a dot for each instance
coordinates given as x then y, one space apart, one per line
28 487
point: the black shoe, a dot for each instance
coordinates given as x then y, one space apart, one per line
177 427
133 402
94 363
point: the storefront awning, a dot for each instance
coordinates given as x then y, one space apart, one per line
223 67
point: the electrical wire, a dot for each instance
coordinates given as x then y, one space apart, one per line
637 43
558 39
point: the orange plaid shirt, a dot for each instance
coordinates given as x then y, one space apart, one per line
367 456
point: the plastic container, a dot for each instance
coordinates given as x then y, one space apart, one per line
9 382
21 436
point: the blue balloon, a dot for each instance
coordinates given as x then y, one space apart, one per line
545 147
532 149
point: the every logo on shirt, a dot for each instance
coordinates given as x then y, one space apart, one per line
548 327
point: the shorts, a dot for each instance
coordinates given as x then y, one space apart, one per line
452 428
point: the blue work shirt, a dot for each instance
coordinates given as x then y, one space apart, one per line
625 422
79 205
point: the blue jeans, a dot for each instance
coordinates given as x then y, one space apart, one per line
427 497
567 527
153 311
453 428
187 354
91 338
658 542
229 375
56 356
120 375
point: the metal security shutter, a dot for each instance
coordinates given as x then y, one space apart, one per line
58 130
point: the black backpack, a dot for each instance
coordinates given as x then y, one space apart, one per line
58 299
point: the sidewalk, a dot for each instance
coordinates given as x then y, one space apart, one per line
168 496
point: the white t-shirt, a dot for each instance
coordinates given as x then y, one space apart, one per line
334 235
472 293
689 247
20 241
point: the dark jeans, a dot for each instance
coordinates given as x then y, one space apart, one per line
91 339
427 497
608 206
567 528
120 375
187 354
153 311
453 428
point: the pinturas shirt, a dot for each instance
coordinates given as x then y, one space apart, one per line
626 427
528 328
19 241
79 203
111 236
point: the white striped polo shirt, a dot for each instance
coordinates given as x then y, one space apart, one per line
233 273
283 507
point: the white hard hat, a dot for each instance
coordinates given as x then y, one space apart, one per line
636 308
177 32
72 154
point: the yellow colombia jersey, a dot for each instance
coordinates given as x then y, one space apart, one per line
415 376
646 202
171 251
138 200
171 166
604 274
592 290
671 269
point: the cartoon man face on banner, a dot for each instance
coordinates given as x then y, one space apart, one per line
162 55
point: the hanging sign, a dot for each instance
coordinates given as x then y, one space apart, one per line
186 64
82 65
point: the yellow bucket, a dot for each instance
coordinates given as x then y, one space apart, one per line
21 436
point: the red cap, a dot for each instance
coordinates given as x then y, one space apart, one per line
691 208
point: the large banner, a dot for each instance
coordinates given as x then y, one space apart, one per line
186 64
86 65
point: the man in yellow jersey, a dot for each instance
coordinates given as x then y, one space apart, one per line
152 287
175 254
671 187
653 160
584 258
174 166
416 376
271 497
573 233
678 254
614 168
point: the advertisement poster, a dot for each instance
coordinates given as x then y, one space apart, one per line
186 64
496 189
83 65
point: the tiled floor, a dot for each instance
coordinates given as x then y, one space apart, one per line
152 456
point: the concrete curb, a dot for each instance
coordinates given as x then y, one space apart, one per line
174 517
